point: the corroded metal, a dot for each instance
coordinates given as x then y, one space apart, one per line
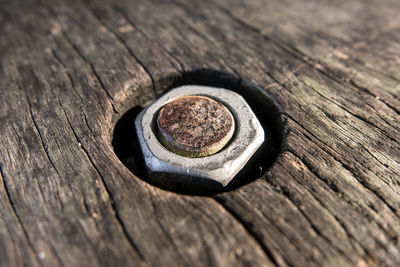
195 126
171 170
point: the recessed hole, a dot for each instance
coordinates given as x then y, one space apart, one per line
268 112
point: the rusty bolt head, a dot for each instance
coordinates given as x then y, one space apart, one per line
195 126
168 168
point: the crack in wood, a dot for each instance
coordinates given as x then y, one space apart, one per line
260 242
80 54
166 232
338 220
349 111
18 218
345 166
366 250
126 46
171 54
108 190
44 145
309 220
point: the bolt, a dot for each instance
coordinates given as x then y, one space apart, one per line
182 131
195 126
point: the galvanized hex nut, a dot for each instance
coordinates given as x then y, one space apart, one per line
167 168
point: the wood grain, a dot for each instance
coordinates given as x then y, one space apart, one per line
70 69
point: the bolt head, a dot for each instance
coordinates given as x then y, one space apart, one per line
168 169
195 126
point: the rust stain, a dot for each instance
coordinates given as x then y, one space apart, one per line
195 124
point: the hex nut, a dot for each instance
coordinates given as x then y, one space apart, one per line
168 169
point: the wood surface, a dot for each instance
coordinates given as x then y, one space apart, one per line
70 69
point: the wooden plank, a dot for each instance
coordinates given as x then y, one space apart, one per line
88 209
70 69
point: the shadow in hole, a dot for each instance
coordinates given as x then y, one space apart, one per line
126 143
127 148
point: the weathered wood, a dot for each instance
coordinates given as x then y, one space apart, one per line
70 69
